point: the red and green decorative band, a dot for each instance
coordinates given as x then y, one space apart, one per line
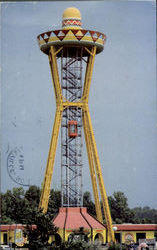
71 22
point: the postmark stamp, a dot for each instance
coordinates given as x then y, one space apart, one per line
16 167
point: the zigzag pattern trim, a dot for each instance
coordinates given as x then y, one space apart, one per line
71 22
77 34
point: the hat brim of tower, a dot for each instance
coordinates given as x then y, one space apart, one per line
71 38
72 44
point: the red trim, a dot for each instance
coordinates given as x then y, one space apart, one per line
56 32
13 227
136 227
46 40
65 31
92 32
49 33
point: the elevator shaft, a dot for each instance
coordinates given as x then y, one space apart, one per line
71 129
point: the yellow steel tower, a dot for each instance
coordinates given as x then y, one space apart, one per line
73 49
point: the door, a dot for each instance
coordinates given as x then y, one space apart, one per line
5 238
140 236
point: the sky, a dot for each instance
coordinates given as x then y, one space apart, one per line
122 99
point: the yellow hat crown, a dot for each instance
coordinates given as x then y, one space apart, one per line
71 18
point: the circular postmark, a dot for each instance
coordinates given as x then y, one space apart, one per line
16 167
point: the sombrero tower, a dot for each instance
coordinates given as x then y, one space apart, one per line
73 50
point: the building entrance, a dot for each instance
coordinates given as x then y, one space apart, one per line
140 236
5 238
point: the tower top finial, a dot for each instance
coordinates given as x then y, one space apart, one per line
71 18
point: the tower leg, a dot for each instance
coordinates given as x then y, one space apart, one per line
99 176
50 162
55 74
89 71
53 145
92 171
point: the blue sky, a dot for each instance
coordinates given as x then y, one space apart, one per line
122 97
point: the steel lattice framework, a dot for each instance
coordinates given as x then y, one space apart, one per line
71 147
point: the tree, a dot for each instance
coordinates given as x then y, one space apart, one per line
120 211
115 246
145 215
54 202
13 203
16 205
33 195
87 202
38 237
78 244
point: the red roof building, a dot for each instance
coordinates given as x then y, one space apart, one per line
76 217
73 218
